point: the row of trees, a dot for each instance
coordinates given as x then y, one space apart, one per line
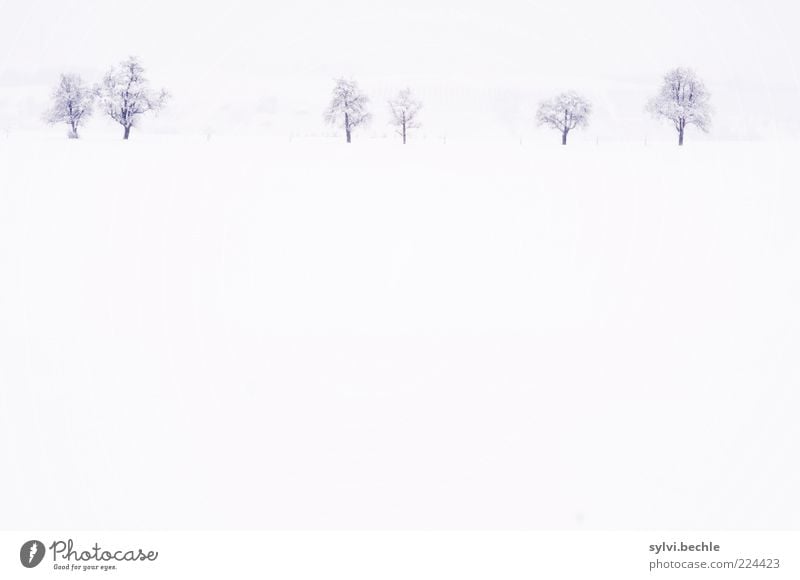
348 109
683 100
125 95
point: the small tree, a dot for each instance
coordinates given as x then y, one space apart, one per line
404 108
72 103
683 99
565 112
126 95
348 107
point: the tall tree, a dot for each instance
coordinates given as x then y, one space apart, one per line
72 103
348 107
683 100
405 108
565 112
126 95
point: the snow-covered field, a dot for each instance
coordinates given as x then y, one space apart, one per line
248 333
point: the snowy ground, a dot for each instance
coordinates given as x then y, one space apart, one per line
258 334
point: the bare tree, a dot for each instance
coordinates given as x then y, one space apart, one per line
126 95
348 107
72 103
565 112
683 99
405 108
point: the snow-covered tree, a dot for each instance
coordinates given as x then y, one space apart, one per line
72 103
683 100
348 107
126 95
405 108
565 112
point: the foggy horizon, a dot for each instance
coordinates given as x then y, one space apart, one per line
244 68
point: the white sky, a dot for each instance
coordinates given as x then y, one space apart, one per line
480 67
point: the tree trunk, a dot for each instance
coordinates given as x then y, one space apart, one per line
347 126
564 137
74 130
404 132
127 132
680 136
